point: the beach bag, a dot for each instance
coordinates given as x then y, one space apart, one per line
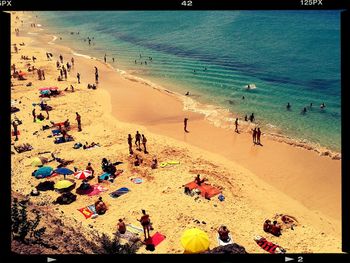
221 197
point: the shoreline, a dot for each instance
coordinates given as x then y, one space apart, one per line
294 180
254 187
218 115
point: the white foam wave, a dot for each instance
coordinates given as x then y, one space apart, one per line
82 55
32 33
53 40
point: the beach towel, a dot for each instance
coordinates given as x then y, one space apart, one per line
164 164
207 190
269 246
137 180
97 189
59 140
86 212
119 192
134 229
56 132
105 176
223 243
155 240
13 133
92 208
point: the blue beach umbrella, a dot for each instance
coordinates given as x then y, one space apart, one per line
43 172
64 171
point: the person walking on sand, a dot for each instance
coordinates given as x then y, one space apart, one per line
254 135
47 112
144 141
145 222
43 74
61 59
258 134
78 118
78 77
72 60
105 58
236 124
34 115
138 140
185 124
15 130
96 78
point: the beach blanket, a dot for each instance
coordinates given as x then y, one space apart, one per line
119 192
96 189
223 243
269 246
134 229
59 140
137 180
155 240
86 211
207 190
105 176
56 132
164 164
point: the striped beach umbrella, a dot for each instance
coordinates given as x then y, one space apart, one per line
195 240
82 174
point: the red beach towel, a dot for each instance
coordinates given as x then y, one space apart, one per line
97 189
86 212
267 245
206 189
155 240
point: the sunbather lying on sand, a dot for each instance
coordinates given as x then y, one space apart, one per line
93 144
23 148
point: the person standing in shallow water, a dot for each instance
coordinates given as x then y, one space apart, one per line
185 124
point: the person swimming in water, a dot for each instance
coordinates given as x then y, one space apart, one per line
322 106
303 111
288 106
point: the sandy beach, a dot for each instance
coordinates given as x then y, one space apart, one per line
257 181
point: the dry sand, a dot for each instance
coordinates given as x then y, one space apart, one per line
257 182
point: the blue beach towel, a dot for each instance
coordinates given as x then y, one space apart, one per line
119 192
105 176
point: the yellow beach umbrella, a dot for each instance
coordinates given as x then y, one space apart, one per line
195 240
63 184
38 161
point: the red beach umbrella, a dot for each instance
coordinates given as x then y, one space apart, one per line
22 73
82 174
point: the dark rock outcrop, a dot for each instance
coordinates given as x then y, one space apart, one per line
228 249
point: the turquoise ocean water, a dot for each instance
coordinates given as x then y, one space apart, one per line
291 56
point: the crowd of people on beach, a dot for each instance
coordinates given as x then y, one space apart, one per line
138 143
